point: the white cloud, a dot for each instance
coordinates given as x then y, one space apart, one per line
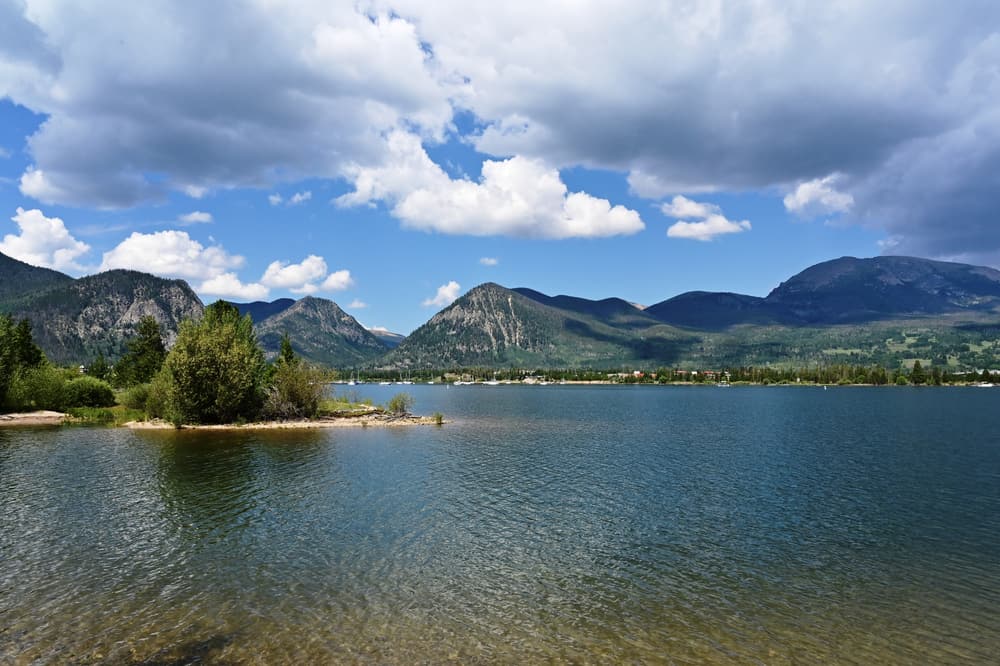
43 241
300 197
817 197
711 222
357 304
514 197
4 153
171 254
489 261
306 277
446 295
189 108
228 285
681 206
282 275
195 217
195 191
275 199
337 281
907 113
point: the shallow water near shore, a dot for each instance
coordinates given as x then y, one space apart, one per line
559 523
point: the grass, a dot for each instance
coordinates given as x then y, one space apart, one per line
343 407
117 415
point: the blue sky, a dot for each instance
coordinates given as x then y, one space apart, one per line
391 156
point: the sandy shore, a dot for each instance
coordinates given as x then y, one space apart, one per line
32 418
363 421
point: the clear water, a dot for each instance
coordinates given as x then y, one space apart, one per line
545 524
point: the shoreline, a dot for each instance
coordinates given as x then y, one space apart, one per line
369 420
363 421
41 417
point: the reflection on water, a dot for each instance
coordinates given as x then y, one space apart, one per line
595 524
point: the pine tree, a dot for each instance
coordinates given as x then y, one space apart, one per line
145 355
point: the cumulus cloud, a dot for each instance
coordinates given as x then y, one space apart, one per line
446 295
194 191
275 199
683 207
489 261
711 222
171 254
306 277
228 285
195 217
337 281
43 241
300 197
818 197
284 275
357 304
189 108
733 96
514 197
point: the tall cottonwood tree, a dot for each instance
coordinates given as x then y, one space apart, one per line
216 371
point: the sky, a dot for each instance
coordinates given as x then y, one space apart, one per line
390 156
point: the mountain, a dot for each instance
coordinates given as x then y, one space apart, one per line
261 310
705 310
614 311
886 310
388 338
18 279
75 319
320 332
495 326
844 291
856 290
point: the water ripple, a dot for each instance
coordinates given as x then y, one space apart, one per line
591 525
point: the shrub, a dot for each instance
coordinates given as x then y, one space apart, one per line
438 418
135 397
87 415
159 404
400 404
88 391
37 388
295 391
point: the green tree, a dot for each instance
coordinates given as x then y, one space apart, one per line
917 374
216 371
99 368
286 354
145 355
28 354
18 355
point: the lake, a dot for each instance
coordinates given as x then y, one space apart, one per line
593 524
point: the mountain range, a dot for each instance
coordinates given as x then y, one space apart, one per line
886 310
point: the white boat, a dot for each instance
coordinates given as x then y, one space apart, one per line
385 383
985 385
492 382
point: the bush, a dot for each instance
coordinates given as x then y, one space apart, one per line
215 372
37 388
89 415
295 391
88 392
158 402
135 397
400 404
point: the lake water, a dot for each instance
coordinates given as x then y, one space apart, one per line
544 524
